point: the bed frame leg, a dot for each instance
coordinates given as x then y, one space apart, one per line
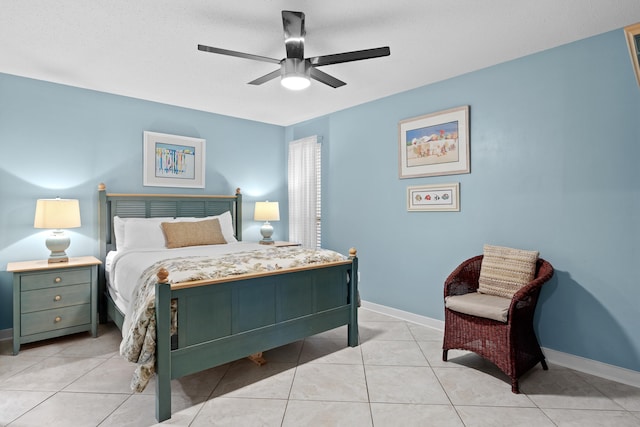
257 358
163 351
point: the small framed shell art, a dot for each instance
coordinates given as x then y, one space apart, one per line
438 197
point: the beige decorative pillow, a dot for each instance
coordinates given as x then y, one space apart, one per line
181 234
505 270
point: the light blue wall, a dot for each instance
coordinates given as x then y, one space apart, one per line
555 143
62 141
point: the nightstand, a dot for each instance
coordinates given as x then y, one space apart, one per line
52 300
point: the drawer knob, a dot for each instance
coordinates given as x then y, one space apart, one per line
57 298
57 279
58 319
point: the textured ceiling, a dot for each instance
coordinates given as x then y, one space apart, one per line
147 49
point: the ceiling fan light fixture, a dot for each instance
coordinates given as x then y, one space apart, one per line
295 82
296 71
295 74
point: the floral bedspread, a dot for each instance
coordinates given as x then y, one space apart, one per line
139 343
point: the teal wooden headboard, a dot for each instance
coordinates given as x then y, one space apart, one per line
162 205
159 205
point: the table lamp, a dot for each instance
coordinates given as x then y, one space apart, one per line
57 214
266 211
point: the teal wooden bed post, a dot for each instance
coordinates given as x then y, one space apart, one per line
102 234
238 218
352 329
163 346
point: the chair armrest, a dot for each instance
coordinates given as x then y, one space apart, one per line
464 279
544 272
527 296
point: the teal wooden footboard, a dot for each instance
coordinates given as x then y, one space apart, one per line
224 321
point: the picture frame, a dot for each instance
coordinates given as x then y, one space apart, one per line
173 161
437 197
434 144
632 34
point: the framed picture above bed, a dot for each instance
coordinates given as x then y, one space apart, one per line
434 144
173 161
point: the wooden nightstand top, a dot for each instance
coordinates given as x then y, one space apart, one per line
43 264
280 244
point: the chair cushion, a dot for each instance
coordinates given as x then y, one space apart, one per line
480 305
505 270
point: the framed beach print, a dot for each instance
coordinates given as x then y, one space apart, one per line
439 197
173 161
434 144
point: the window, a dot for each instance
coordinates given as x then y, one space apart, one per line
305 185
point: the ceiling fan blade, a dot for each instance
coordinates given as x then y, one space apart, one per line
325 78
293 23
356 55
272 75
237 54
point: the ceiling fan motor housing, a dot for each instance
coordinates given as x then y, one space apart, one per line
295 73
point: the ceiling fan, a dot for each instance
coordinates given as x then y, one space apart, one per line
296 70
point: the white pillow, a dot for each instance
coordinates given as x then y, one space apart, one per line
226 224
141 233
118 230
147 232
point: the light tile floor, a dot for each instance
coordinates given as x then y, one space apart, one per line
396 377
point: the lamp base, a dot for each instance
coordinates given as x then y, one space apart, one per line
266 230
57 243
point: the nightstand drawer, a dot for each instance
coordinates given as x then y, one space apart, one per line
62 296
29 282
49 320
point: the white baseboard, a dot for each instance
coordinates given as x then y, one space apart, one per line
404 315
593 367
588 366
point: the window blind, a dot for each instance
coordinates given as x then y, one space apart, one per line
304 188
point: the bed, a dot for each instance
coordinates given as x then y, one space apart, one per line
205 321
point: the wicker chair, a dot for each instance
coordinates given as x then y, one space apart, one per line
511 346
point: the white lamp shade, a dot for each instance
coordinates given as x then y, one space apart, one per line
267 211
57 213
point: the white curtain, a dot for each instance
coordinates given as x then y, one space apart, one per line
303 192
